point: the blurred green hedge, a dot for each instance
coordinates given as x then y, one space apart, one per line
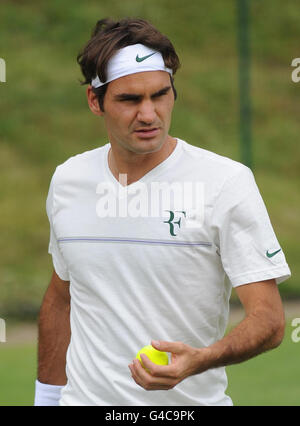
44 117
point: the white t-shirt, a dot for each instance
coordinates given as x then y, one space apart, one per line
164 271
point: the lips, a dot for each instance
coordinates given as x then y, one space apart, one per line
147 132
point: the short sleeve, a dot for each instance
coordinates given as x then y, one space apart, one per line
246 241
53 249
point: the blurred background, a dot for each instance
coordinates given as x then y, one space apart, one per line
44 119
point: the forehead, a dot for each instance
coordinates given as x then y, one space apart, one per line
142 82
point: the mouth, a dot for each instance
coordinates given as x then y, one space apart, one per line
147 133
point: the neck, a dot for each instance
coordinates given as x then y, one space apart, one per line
135 166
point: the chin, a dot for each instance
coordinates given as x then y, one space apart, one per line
147 146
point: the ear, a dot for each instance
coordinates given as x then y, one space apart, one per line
93 101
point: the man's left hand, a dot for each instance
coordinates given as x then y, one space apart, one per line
185 362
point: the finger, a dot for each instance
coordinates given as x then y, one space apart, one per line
146 380
162 371
135 374
138 375
140 371
157 374
173 347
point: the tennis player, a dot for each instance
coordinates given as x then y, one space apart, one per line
148 235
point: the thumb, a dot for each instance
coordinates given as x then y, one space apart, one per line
161 345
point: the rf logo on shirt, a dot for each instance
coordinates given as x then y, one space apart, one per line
171 220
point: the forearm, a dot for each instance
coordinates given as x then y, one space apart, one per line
261 330
257 333
54 338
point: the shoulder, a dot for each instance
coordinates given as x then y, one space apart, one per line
215 166
79 165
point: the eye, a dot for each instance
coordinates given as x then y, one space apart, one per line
160 94
130 102
128 99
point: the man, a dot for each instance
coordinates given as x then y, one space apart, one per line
133 265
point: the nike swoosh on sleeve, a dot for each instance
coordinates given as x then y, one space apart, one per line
272 254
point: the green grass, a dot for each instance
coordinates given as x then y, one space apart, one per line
18 365
44 117
272 378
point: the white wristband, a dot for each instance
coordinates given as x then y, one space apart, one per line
46 395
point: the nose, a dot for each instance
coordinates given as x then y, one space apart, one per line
146 112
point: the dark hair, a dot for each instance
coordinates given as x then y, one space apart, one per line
109 36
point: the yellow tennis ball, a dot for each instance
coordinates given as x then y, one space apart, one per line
158 357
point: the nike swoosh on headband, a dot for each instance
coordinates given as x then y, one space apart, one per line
138 59
127 61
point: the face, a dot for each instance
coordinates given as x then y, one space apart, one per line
137 111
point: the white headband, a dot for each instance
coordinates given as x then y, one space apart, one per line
130 60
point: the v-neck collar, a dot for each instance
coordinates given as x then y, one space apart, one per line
165 164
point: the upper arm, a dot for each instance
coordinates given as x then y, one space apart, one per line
262 298
59 290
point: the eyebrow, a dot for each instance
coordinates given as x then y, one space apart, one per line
137 97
